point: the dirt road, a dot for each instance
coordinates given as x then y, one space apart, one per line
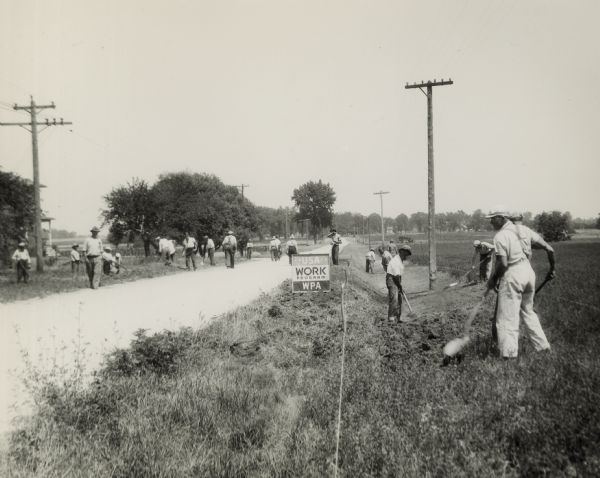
54 332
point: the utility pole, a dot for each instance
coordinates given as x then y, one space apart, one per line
381 193
33 110
431 189
242 186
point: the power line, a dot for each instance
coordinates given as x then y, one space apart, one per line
33 110
381 193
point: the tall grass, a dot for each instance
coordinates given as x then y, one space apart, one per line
255 394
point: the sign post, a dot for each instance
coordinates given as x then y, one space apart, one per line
310 273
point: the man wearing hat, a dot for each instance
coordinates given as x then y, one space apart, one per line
166 247
485 252
92 250
209 247
370 261
393 282
190 246
108 261
336 240
229 248
22 262
514 279
273 248
75 260
291 247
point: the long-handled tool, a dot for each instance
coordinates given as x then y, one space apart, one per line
410 310
456 345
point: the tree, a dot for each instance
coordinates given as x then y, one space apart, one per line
598 221
132 209
478 221
401 222
418 221
315 202
17 208
554 226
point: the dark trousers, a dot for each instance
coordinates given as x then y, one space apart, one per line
211 256
190 255
369 266
90 268
230 258
335 254
273 254
249 253
22 272
394 285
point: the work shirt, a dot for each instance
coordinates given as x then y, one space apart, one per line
21 255
118 257
336 239
210 244
75 256
485 248
507 244
393 248
107 257
92 246
230 240
395 266
291 243
527 237
273 244
190 243
386 257
249 245
164 245
277 243
370 255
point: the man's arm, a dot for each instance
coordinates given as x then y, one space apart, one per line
539 243
500 268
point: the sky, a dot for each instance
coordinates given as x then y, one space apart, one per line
274 93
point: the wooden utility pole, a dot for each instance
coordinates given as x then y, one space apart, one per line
242 186
33 110
431 190
381 193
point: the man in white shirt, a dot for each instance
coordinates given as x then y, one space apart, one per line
249 247
166 247
22 262
92 250
108 260
291 247
190 245
484 251
393 282
229 248
514 279
75 260
336 240
273 248
210 249
370 261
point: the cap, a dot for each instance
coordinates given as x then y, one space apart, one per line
516 216
75 245
332 230
406 248
107 248
372 249
476 243
291 236
498 211
230 232
94 229
21 244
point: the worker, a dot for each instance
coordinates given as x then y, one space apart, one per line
273 248
514 280
386 257
190 246
22 262
392 247
393 282
291 248
278 244
92 250
370 261
210 249
166 247
249 247
483 253
118 260
229 247
336 240
108 261
75 260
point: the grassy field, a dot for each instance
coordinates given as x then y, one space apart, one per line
255 394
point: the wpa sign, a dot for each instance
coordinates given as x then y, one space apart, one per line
310 273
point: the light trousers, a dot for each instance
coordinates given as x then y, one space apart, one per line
515 302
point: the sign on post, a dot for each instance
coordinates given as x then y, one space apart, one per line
310 273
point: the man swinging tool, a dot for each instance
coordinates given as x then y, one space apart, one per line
393 282
514 280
